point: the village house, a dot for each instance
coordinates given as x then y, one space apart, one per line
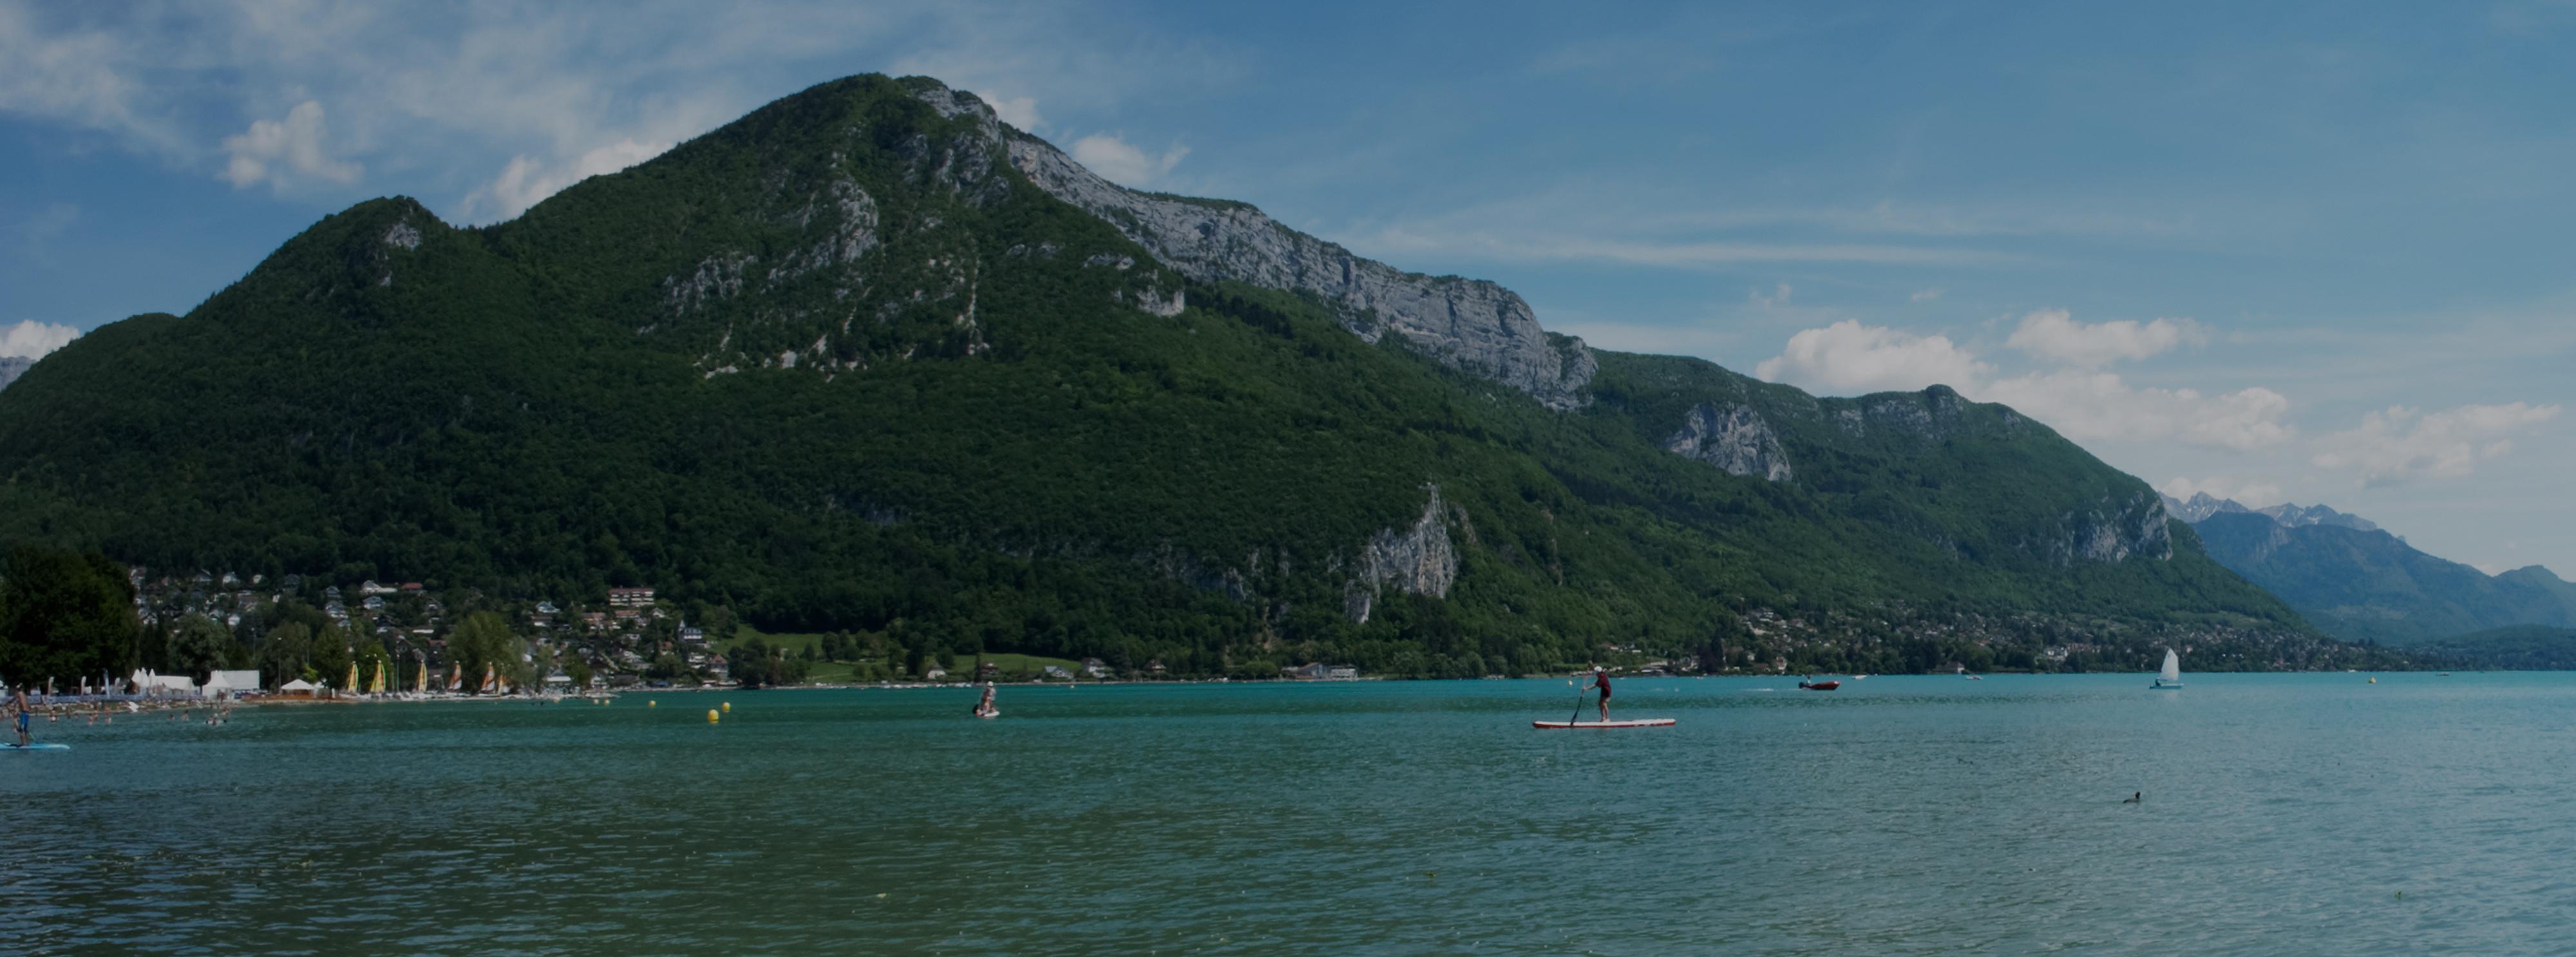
630 597
1095 667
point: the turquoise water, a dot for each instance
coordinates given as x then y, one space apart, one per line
2298 814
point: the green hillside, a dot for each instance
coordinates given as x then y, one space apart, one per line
840 367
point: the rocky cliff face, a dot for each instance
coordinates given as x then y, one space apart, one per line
1734 439
1471 325
1416 560
2118 530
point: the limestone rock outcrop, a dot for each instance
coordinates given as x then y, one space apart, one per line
1733 438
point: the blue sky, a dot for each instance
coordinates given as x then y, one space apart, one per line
2284 252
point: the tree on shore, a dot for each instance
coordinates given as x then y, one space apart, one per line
64 616
484 640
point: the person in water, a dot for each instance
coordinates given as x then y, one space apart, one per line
18 703
1601 680
985 706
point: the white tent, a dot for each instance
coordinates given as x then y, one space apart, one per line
298 685
230 682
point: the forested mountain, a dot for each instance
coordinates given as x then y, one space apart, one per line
11 367
2371 586
869 359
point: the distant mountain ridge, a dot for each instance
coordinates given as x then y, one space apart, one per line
2364 584
2202 505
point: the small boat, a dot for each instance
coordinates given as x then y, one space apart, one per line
2171 676
1637 723
1819 685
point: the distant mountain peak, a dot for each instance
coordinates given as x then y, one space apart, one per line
2201 506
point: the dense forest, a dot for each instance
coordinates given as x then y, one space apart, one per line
832 368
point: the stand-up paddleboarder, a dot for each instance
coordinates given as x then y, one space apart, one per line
1601 680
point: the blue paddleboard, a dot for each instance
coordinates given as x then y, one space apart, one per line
36 747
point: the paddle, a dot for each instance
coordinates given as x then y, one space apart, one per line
1578 702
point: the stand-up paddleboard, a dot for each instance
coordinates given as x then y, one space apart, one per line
1638 723
995 713
35 747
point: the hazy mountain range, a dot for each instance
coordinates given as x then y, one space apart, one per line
2361 583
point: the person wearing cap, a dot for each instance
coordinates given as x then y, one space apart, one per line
1601 680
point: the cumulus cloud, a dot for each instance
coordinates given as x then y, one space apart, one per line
1848 358
1120 162
526 180
1021 112
2054 334
2251 494
2100 405
278 151
31 339
2398 444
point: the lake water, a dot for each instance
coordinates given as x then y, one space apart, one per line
2283 814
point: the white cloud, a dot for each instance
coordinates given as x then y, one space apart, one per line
273 149
1778 296
1849 358
527 181
2250 494
1021 112
32 339
81 78
2398 444
1117 161
1926 295
2055 335
2100 405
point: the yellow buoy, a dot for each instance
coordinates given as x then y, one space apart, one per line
652 704
2374 681
711 715
728 707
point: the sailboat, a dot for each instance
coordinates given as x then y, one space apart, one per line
2171 677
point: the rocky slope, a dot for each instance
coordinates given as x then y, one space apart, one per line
1469 324
868 360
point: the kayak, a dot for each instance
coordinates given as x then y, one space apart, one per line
36 747
1639 723
1820 685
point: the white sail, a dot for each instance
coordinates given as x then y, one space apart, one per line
2172 674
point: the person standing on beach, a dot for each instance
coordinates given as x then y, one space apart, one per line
1601 680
